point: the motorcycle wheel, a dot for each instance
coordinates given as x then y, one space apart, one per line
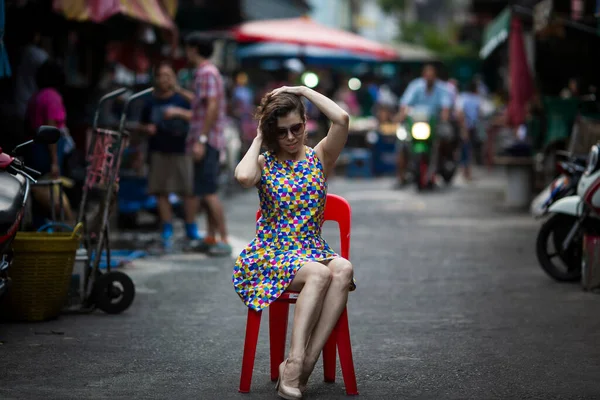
448 171
558 227
421 173
113 292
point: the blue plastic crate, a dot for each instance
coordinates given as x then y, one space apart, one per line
359 163
133 195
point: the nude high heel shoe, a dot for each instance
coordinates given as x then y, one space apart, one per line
284 391
307 370
303 383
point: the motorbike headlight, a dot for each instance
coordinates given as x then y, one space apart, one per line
401 133
592 162
421 131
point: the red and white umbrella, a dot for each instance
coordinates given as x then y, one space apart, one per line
304 31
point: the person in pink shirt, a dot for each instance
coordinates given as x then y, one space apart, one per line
46 107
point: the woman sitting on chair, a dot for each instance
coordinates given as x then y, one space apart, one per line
288 252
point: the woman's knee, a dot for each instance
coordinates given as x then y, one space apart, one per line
319 273
341 269
313 272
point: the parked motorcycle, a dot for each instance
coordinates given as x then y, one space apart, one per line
572 218
570 171
14 192
428 157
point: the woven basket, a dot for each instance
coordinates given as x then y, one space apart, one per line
41 274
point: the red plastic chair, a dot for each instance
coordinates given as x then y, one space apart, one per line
336 209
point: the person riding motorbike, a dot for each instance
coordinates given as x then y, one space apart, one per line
429 92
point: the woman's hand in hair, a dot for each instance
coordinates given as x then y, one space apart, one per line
297 90
249 171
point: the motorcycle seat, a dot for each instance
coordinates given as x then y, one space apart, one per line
12 195
580 160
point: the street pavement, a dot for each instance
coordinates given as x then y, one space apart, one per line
451 304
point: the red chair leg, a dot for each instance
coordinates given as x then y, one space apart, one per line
252 330
329 357
345 351
278 322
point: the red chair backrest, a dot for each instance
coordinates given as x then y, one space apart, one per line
337 209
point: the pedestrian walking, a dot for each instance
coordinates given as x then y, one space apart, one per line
468 108
206 139
288 251
165 119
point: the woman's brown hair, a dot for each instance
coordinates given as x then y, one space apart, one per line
270 109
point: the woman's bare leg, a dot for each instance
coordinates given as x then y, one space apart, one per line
312 281
333 305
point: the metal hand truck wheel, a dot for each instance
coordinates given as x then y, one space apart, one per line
111 291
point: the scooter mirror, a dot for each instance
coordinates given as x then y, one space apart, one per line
47 134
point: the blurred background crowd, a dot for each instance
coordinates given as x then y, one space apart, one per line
528 62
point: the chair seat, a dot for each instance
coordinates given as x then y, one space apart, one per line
289 296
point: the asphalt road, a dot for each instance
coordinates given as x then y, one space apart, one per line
450 304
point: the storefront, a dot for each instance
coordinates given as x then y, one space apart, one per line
558 38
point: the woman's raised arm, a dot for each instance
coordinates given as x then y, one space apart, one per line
331 146
249 170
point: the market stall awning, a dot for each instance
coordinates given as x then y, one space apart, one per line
150 11
496 33
309 53
305 32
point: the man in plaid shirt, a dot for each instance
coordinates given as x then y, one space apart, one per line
206 139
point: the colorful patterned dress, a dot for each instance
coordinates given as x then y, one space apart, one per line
288 235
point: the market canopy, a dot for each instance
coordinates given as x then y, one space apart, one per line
305 32
496 33
310 54
154 12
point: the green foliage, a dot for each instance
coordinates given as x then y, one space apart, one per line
441 42
392 5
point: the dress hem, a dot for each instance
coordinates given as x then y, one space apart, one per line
251 306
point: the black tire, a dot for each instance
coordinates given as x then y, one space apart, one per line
420 173
113 292
558 226
447 162
447 172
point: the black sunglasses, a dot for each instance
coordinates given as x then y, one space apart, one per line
295 129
